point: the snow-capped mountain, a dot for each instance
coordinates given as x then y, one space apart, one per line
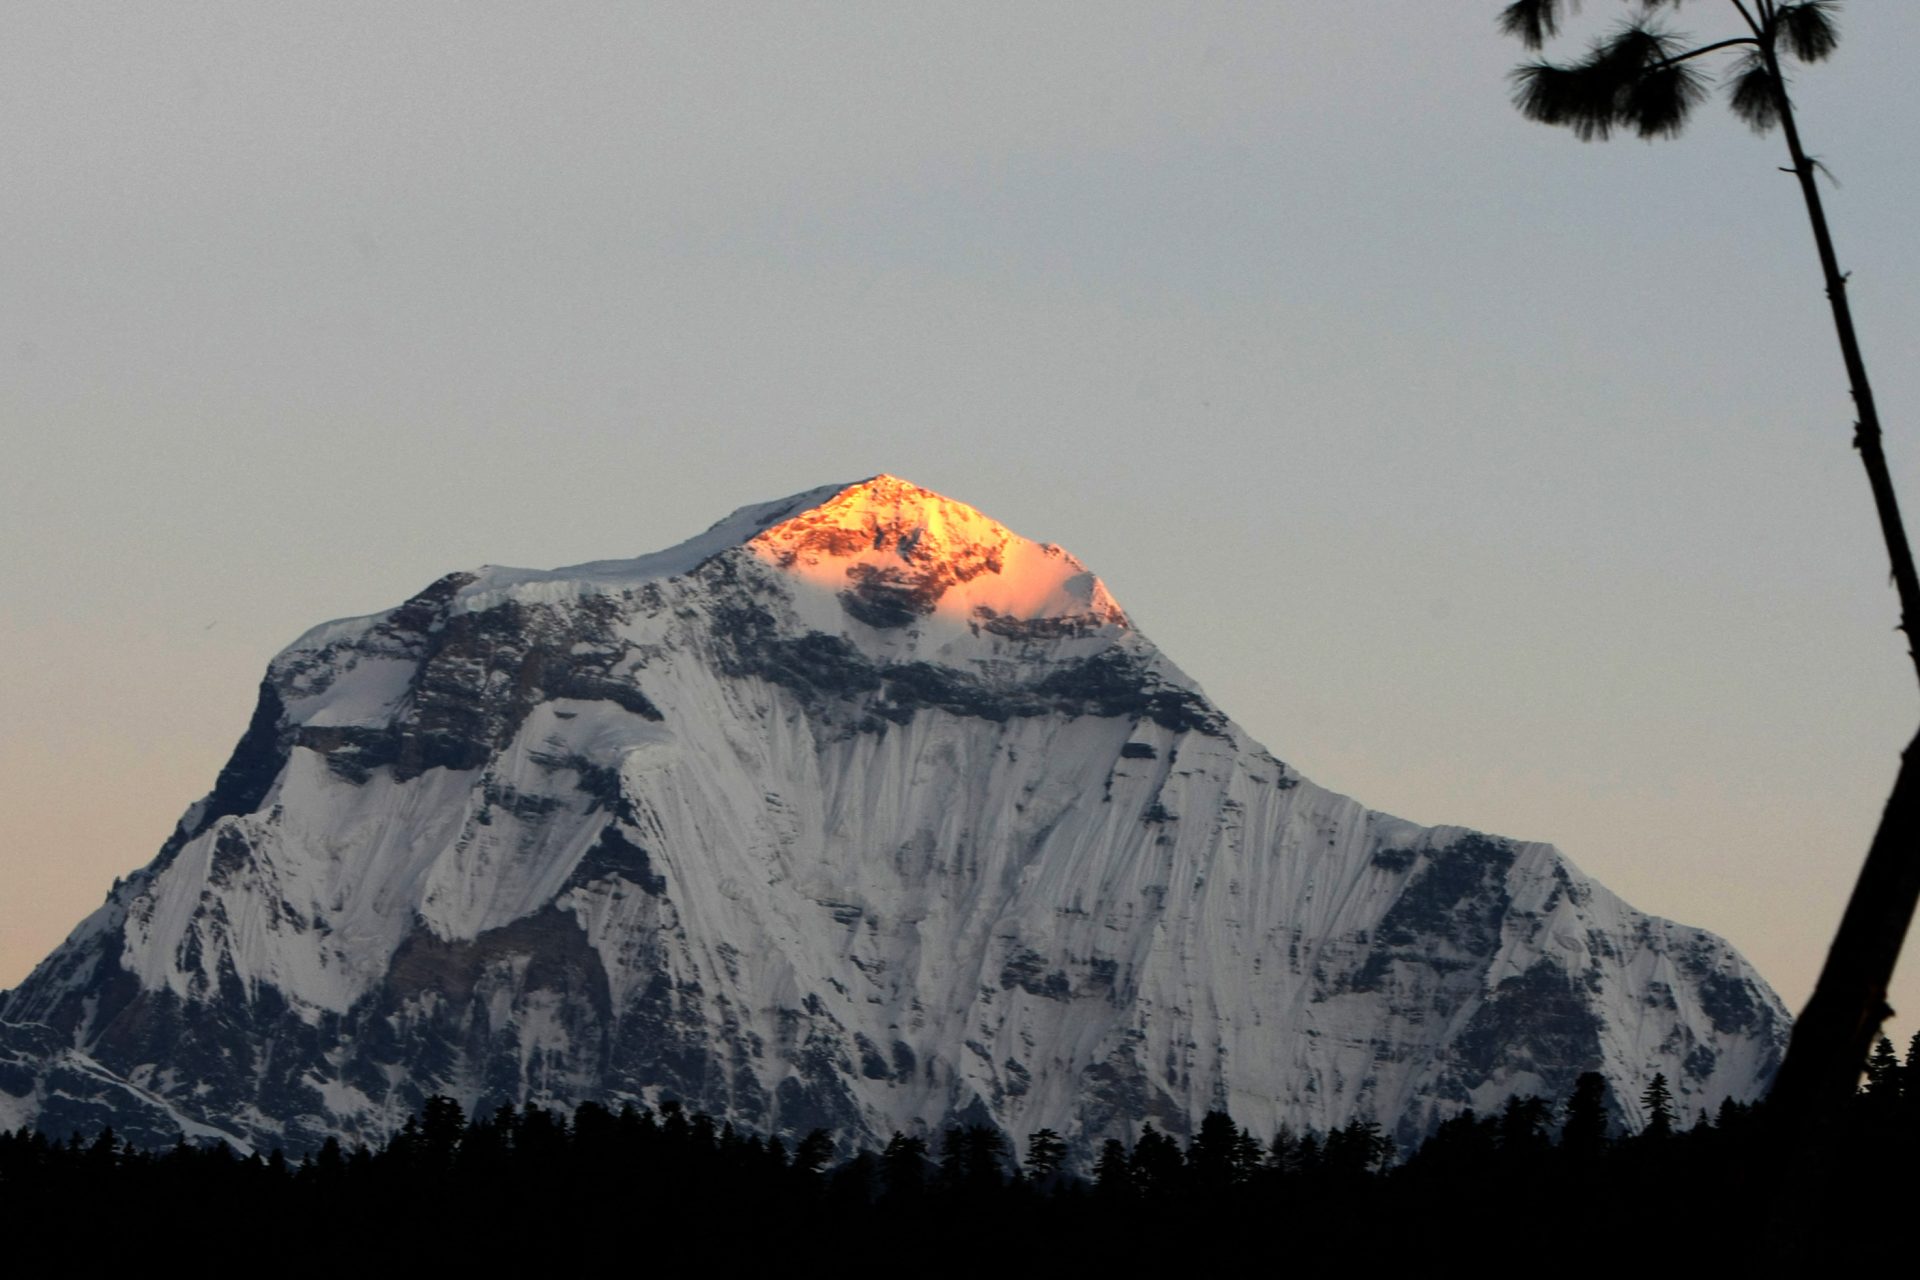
861 811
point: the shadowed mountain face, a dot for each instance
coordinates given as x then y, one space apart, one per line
858 811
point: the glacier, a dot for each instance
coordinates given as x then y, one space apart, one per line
859 811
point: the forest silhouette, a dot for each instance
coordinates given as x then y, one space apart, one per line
536 1187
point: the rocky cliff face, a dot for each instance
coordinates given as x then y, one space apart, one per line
859 810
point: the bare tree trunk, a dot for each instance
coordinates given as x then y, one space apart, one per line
1850 1000
1866 437
1834 1033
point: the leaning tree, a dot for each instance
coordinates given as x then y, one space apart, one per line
1645 79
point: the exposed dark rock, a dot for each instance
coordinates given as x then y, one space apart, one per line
891 597
913 685
1536 1021
520 804
1729 1001
231 855
873 1063
1395 859
1027 970
1115 683
250 771
1118 1091
551 942
1037 629
428 608
617 854
351 752
599 782
1459 895
830 675
478 676
1102 974
817 666
662 1040
818 1097
1448 916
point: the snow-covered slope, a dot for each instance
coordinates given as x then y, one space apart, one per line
858 810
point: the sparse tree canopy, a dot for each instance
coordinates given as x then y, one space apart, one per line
1644 78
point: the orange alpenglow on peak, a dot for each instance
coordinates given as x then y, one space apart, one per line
896 552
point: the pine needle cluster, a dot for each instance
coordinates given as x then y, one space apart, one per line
1643 78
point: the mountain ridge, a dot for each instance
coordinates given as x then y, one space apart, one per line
857 809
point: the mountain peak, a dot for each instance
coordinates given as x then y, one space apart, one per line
895 552
894 517
857 811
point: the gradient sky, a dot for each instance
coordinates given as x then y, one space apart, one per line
1489 477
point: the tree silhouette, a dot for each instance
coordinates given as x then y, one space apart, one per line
1523 1126
1657 1103
1157 1163
521 1174
1210 1156
1883 1075
903 1166
1358 1147
442 1124
1112 1173
1584 1135
1046 1152
1647 80
1249 1156
812 1154
970 1159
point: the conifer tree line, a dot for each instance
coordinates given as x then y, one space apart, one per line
523 1183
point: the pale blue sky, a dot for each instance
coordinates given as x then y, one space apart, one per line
1488 477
